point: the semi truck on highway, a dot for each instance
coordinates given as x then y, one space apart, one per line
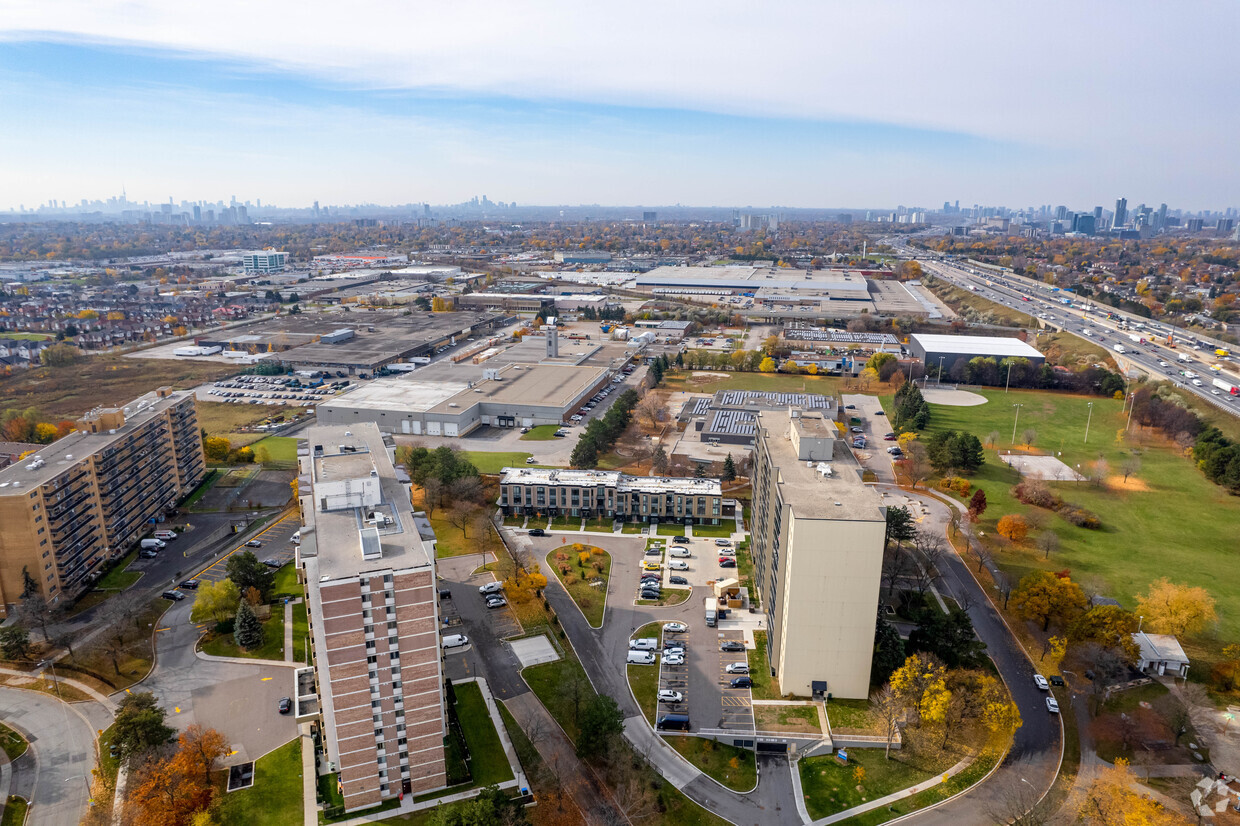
1119 348
1184 357
1227 387
1136 339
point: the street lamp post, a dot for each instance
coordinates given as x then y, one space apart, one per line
1015 420
941 369
1088 418
1009 377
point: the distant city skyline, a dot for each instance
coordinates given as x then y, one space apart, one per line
805 105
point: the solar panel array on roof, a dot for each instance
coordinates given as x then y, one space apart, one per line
734 422
759 398
837 336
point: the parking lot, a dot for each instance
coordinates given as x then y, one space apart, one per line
277 545
293 391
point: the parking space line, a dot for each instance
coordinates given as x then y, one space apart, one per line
208 572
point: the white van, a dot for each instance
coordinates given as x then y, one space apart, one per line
296 538
455 641
152 545
644 644
641 658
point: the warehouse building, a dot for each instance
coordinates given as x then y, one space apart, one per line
516 395
945 351
613 495
369 563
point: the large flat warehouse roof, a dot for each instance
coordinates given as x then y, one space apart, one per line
552 385
975 345
410 394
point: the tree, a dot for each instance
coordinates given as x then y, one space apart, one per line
1027 436
921 684
247 572
34 610
895 564
916 463
1111 798
585 454
432 490
1171 608
600 721
247 630
200 749
491 806
215 601
1043 596
216 449
729 469
767 365
462 515
900 526
60 355
1013 527
888 650
658 462
1109 626
1047 542
890 708
14 642
977 505
139 725
950 637
1130 465
877 360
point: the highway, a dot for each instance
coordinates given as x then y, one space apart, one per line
1088 320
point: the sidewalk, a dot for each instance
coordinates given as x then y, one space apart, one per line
891 798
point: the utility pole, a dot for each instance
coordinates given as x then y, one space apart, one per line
1088 418
1014 421
1009 378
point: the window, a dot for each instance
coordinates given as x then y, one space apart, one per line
374 703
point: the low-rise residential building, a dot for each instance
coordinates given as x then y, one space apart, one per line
369 564
88 497
818 535
1161 654
611 494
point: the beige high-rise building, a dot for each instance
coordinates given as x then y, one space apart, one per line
818 553
89 496
369 564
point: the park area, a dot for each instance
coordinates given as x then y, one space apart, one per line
583 570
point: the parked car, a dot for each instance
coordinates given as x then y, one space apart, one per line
455 641
890 437
254 543
643 644
491 588
879 413
677 550
727 562
167 536
726 552
731 645
273 563
737 668
654 551
741 682
673 659
175 596
681 539
668 696
496 602
856 430
189 585
1041 682
148 553
640 658
1056 680
674 628
675 650
286 705
529 460
677 580
648 565
678 565
537 532
723 543
1052 705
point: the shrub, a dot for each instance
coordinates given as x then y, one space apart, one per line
1081 517
597 551
1035 492
1013 527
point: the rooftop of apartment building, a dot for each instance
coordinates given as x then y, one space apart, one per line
340 543
72 449
621 481
815 486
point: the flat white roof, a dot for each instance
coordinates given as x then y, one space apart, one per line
969 345
621 481
398 394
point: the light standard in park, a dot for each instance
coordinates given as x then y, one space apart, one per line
941 369
1088 418
1015 420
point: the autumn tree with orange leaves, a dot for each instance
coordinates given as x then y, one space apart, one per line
169 789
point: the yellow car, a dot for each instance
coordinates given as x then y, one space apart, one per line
652 566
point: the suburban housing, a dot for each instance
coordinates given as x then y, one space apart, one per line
611 494
818 537
369 565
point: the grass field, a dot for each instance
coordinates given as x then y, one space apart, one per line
591 599
26 336
135 661
734 767
487 761
1169 521
765 687
542 433
275 798
221 419
15 809
956 298
853 716
301 632
1068 349
285 583
787 718
448 538
282 451
715 531
709 381
831 787
118 579
644 679
67 392
495 462
271 649
14 744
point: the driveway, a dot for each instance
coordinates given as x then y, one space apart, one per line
487 654
874 455
61 755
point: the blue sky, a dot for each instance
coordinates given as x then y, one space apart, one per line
556 105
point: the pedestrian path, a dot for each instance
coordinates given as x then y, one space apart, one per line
887 800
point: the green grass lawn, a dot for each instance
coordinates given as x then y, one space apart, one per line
1179 525
548 681
487 761
601 525
745 572
285 583
495 462
715 531
118 579
448 538
591 599
787 718
301 632
644 679
275 799
271 649
631 527
765 687
570 523
671 530
541 433
733 767
514 521
25 336
14 744
15 809
281 450
831 787
854 716
108 764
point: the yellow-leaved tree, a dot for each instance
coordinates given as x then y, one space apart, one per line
1172 608
921 684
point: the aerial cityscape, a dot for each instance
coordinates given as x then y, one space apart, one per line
844 433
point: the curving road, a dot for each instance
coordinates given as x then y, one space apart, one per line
62 745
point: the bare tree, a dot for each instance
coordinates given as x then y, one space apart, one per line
1130 465
467 489
1015 801
35 612
917 463
1098 471
890 709
1177 711
1028 436
432 489
982 554
895 565
992 438
931 545
1047 542
462 515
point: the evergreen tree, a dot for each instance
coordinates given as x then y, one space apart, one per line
248 631
585 454
888 651
680 359
699 470
729 469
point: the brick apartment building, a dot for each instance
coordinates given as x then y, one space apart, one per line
370 574
611 494
87 498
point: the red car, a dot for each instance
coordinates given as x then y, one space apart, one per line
727 562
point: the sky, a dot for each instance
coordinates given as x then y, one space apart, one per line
814 104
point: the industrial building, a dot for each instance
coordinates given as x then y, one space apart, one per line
730 416
267 261
944 352
88 497
515 395
818 535
369 563
612 495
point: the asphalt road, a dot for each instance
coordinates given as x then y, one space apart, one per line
63 747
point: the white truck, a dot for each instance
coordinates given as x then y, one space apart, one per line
1226 387
1136 339
1119 348
712 612
1184 357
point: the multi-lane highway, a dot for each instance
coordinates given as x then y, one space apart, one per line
1187 367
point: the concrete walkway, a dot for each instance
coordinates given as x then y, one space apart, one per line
103 699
